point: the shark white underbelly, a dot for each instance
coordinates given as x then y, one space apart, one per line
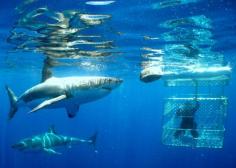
81 97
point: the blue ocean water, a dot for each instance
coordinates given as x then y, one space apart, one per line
128 121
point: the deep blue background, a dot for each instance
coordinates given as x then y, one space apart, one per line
129 120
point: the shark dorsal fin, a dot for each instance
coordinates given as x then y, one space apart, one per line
52 129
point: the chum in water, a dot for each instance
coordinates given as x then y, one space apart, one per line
97 3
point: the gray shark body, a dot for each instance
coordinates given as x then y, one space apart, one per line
49 141
67 92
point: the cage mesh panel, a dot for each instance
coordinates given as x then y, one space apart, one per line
209 118
214 81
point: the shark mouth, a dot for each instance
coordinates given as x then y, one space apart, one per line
107 88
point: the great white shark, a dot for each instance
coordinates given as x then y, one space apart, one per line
64 92
50 140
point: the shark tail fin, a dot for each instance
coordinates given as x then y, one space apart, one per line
13 103
93 140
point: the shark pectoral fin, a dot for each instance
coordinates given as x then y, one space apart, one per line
48 102
72 110
51 151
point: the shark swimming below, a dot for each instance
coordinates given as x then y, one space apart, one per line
65 92
49 141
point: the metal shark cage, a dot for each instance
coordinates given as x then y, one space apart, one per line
204 125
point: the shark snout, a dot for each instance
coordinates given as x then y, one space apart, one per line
116 81
119 81
19 146
112 83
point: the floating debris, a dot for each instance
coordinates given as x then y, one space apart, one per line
151 74
99 3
